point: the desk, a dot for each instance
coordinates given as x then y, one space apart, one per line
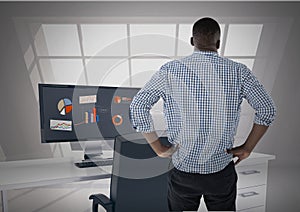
44 172
252 174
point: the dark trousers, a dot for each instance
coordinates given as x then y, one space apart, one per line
218 189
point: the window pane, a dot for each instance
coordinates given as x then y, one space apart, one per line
184 35
143 69
69 71
57 40
108 72
242 39
157 39
105 39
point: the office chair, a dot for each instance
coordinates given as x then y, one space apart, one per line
139 178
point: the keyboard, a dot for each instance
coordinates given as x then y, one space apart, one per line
94 163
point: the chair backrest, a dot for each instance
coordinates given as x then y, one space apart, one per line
139 178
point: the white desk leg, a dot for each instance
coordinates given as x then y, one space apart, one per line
4 201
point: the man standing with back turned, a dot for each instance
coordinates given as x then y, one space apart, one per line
202 96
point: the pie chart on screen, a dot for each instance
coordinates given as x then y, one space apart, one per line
64 106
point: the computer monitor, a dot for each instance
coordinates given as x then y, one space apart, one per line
84 113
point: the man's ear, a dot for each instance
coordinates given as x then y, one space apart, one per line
192 41
218 44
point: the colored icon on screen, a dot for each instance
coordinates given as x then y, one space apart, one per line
62 125
117 120
64 106
122 99
117 99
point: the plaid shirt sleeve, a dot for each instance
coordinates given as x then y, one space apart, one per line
256 95
154 89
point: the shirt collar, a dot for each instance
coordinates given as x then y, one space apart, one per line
205 52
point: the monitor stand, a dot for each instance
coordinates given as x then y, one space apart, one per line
93 150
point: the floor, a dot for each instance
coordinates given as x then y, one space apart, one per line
70 197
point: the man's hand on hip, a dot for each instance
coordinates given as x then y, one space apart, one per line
161 150
240 152
167 151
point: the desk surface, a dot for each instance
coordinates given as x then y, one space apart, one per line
256 158
43 172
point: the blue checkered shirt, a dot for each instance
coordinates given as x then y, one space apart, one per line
202 96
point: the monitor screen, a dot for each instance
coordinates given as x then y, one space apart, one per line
80 113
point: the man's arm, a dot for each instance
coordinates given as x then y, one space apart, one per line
265 111
140 112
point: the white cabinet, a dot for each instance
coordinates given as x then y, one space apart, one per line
252 183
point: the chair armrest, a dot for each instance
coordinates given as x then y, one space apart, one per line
101 199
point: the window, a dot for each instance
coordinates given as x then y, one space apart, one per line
104 39
57 40
122 54
155 39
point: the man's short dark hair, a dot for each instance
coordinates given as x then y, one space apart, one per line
206 30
